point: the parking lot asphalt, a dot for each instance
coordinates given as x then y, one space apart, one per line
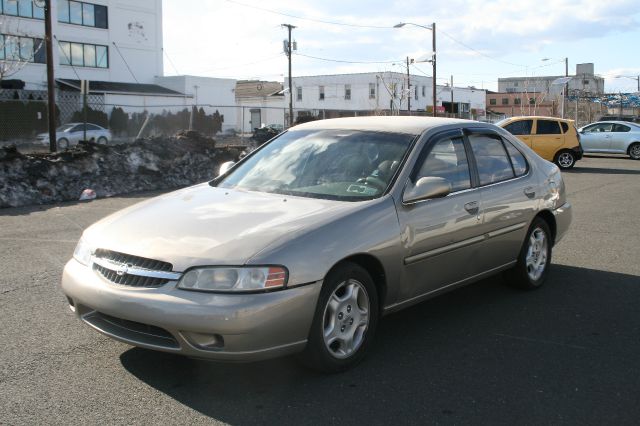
567 353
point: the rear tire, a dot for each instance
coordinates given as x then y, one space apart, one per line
345 320
634 151
102 140
534 259
565 159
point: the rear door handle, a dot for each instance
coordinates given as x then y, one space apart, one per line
530 191
472 207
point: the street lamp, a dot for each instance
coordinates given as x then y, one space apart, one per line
432 28
636 78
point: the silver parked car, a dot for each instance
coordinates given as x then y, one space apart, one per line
71 133
304 244
616 137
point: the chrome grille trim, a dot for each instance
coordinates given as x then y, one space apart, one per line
132 270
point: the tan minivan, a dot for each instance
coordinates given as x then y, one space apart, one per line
554 139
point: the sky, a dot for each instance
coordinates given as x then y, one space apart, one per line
477 41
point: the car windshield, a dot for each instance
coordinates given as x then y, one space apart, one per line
346 165
65 127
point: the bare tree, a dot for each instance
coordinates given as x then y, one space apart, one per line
17 49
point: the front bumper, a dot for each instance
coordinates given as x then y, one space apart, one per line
563 215
228 327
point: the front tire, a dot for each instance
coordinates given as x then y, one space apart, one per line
634 151
345 320
534 259
565 159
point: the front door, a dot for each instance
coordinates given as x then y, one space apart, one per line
597 137
441 236
256 119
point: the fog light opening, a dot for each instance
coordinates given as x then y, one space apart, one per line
204 341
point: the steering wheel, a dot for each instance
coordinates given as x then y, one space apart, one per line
373 181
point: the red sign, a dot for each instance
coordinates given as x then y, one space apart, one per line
440 109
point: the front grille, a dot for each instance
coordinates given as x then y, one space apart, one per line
133 271
137 261
129 279
131 331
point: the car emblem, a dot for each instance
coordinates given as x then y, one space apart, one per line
123 269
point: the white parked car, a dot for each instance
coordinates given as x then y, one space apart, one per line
71 133
616 137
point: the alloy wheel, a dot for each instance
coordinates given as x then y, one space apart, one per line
634 152
346 319
536 259
565 160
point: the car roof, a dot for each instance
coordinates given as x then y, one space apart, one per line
393 124
631 123
530 117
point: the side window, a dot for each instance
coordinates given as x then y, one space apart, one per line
565 127
447 159
517 159
92 127
521 127
548 127
78 128
491 159
621 128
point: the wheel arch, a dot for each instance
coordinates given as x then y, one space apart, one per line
374 267
630 145
548 217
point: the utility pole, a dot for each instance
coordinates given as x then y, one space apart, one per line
566 86
433 63
51 96
288 52
408 88
451 95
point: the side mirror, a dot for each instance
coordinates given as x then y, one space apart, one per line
224 168
426 188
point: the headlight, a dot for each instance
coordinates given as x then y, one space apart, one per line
83 252
224 279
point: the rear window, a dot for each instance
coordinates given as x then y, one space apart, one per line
517 159
491 159
621 128
548 127
565 127
521 127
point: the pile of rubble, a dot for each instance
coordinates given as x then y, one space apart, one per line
145 165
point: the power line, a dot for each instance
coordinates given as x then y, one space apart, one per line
242 65
321 21
170 61
343 61
479 52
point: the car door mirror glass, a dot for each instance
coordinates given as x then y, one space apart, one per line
426 188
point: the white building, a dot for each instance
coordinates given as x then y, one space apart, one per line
337 95
259 103
583 82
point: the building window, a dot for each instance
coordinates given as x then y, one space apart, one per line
372 90
298 93
26 49
517 101
22 8
347 91
505 101
84 55
515 84
80 13
492 102
532 101
424 91
585 82
321 93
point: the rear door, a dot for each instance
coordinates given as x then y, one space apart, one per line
508 191
521 129
619 138
547 139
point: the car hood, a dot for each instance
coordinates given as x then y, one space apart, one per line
204 225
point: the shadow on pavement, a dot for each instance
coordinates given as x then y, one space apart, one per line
487 353
599 170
